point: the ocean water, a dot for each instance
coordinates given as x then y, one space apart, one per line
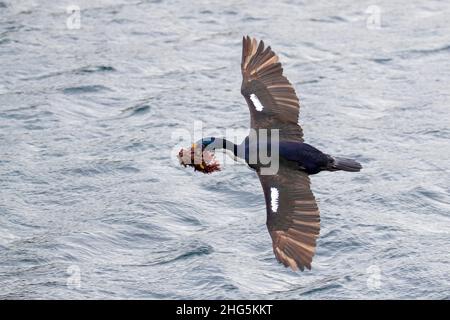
94 205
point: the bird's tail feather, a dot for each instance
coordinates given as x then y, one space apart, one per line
344 164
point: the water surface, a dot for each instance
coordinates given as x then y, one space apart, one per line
90 191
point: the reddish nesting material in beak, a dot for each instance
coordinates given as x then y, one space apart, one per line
203 161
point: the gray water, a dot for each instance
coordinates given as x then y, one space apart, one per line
94 205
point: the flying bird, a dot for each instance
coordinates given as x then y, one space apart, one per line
293 218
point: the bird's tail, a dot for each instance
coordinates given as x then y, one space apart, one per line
344 164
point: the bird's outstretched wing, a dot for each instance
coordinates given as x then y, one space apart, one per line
270 96
293 217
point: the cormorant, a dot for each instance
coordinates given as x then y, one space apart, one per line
292 214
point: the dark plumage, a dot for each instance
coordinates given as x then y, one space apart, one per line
292 214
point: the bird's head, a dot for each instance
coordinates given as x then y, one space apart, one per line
206 143
200 156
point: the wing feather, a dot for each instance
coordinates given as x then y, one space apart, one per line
295 225
262 75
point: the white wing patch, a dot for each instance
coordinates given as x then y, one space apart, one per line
256 102
274 194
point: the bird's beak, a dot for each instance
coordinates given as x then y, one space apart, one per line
195 146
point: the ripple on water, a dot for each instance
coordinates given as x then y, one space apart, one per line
136 110
94 168
420 53
185 252
85 89
95 69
